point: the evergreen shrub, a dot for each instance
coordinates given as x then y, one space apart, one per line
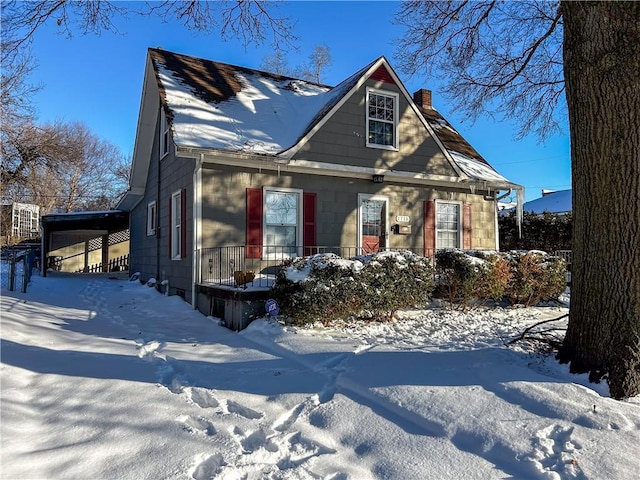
326 287
536 277
471 278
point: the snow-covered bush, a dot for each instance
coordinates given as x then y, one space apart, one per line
326 287
472 277
535 276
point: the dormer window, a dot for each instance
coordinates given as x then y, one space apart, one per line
164 134
382 119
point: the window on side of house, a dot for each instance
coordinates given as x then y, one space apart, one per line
448 224
382 119
176 225
282 221
164 134
151 218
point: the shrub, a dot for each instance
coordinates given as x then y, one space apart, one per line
392 281
548 232
471 278
317 288
536 276
326 287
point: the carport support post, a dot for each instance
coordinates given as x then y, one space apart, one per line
44 250
105 252
86 256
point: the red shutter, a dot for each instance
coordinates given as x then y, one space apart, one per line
170 229
429 228
309 236
466 226
254 223
183 223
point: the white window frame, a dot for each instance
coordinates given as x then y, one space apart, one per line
459 232
164 134
151 218
396 98
299 219
362 197
176 225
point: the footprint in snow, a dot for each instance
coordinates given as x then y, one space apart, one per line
202 397
246 412
285 421
299 450
197 425
555 453
150 350
207 466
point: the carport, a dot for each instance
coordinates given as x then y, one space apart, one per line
85 241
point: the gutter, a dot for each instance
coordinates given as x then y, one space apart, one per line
197 229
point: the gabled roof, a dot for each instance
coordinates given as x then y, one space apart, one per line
466 157
216 107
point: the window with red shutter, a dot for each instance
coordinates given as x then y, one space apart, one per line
309 230
429 228
466 226
254 223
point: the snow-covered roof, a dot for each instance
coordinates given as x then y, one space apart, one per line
216 106
556 202
222 107
476 168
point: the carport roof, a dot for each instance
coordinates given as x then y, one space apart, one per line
111 220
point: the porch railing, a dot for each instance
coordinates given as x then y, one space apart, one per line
229 266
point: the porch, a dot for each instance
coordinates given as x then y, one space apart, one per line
234 286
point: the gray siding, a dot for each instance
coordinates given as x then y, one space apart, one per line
224 207
342 140
150 254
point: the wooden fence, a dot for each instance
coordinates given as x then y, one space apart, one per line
117 264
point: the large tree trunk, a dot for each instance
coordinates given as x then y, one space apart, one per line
602 73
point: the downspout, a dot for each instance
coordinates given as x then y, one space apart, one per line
197 229
520 209
497 212
158 186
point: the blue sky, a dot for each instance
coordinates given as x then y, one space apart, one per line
97 80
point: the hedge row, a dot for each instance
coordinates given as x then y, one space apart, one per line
326 287
528 278
548 232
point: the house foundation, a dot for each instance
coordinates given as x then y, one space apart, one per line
236 307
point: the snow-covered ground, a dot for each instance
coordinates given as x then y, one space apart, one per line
107 379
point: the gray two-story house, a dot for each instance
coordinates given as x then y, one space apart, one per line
235 170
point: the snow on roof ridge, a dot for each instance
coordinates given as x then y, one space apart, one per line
246 110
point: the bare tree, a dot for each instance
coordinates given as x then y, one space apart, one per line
61 167
503 57
276 63
513 58
319 60
252 21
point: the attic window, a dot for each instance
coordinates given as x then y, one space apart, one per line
382 119
164 134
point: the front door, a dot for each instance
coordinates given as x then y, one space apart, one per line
372 224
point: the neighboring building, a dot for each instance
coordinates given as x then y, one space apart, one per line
551 202
241 168
20 221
